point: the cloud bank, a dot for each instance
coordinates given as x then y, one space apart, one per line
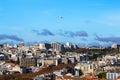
108 39
11 37
44 32
73 34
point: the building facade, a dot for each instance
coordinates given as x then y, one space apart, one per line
57 46
28 62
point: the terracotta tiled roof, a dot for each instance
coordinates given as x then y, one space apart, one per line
91 77
12 64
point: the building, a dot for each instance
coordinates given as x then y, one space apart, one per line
40 62
58 61
65 60
21 44
115 46
112 75
5 45
47 45
28 62
16 68
71 59
69 45
49 62
44 46
57 46
83 57
86 67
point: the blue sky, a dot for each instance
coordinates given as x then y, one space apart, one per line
84 22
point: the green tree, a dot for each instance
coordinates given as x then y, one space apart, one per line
102 75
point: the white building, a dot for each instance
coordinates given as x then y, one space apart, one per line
42 46
112 75
114 46
69 45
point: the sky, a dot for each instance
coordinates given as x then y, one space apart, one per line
83 22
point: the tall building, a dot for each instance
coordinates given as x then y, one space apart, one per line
57 46
44 46
69 45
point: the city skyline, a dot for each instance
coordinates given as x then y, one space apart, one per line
82 22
